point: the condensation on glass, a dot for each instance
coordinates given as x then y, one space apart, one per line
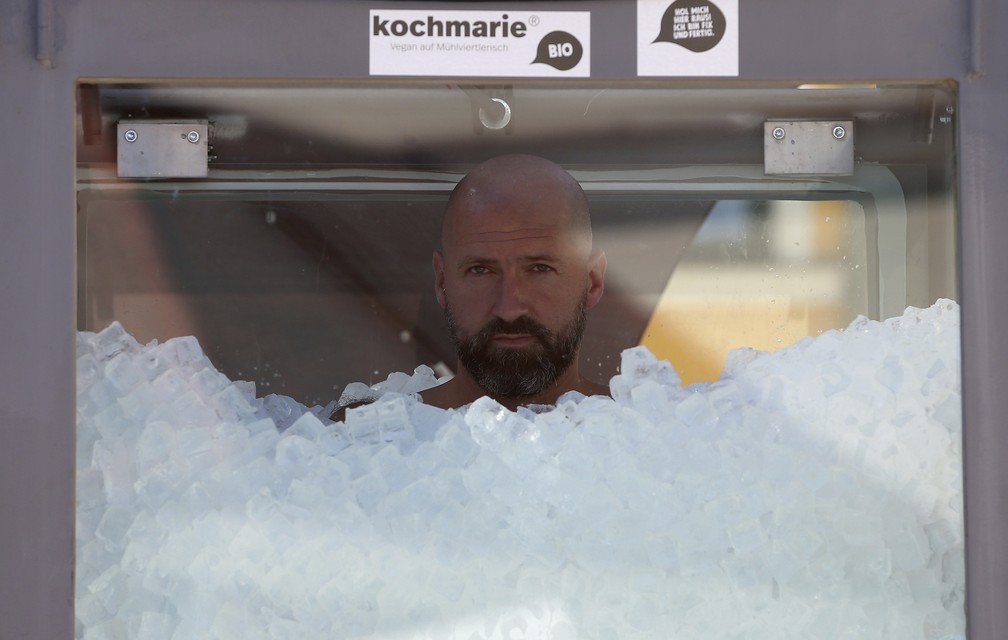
302 261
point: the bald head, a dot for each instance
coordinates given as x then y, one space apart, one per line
521 189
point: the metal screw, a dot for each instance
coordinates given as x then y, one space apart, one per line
130 135
193 137
839 133
778 133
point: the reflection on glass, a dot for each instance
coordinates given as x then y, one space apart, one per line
780 458
760 275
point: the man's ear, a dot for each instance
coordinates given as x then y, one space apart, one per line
596 278
437 262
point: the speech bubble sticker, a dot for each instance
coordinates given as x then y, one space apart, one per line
697 25
560 50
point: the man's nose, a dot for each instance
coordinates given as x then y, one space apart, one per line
512 302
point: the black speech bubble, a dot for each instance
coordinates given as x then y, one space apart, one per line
559 58
691 41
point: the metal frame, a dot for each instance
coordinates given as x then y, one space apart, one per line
46 46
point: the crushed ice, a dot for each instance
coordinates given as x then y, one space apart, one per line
812 492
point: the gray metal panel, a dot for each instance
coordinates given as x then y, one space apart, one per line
36 353
788 39
984 230
793 39
796 39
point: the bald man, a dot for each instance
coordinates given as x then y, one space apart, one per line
515 274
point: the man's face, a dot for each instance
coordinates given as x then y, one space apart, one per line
515 281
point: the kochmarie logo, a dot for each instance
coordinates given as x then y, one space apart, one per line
432 27
697 25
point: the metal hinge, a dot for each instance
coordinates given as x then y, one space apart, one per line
808 147
162 149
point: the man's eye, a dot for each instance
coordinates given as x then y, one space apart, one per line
542 268
478 270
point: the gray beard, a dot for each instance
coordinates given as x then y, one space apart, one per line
505 372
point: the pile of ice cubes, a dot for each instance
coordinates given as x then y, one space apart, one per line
812 492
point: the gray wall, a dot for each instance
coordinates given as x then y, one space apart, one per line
792 39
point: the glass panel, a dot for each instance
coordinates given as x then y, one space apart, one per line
761 275
780 454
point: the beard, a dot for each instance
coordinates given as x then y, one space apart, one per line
518 372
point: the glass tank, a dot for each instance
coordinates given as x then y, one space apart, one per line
782 445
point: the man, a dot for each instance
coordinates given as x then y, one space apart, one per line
515 275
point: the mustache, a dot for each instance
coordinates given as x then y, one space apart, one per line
523 325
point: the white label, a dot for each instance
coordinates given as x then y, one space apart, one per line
480 43
687 38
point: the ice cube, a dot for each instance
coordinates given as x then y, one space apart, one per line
395 382
110 588
231 405
89 610
307 426
88 371
184 352
113 340
369 490
151 362
491 425
191 411
357 392
139 402
295 455
169 384
282 410
363 424
393 418
155 625
423 378
208 382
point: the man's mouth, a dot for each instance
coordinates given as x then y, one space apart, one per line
513 339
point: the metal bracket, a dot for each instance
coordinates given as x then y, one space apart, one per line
162 149
808 147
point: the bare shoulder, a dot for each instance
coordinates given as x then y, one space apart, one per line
441 396
591 388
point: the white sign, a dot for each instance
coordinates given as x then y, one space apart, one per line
480 43
687 38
